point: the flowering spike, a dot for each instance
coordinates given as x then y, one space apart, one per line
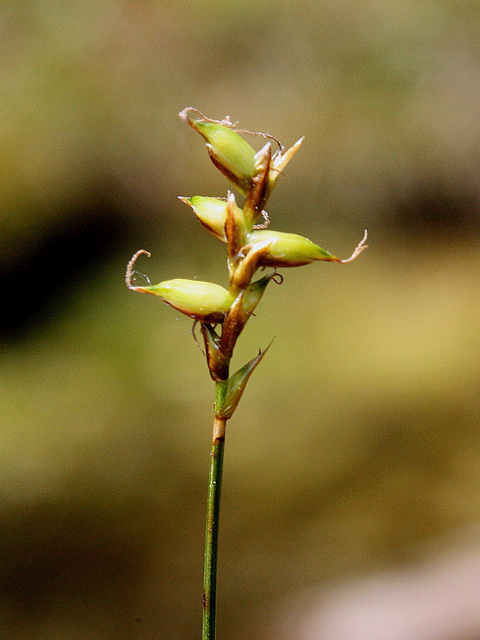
223 313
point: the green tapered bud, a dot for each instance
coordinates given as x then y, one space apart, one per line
287 249
229 152
212 213
203 301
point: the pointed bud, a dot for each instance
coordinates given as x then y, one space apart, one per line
229 152
212 213
203 301
287 249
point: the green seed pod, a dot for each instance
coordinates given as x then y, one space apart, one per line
229 152
287 249
212 213
203 301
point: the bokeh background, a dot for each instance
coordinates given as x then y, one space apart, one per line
355 451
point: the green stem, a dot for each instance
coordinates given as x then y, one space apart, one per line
211 531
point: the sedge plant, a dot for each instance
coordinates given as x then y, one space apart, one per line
222 313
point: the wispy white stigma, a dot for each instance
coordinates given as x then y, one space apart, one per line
130 265
361 246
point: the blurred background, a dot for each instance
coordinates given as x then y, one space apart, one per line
352 467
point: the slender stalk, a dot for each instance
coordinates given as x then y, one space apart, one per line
211 530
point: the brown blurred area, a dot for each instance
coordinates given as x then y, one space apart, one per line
356 447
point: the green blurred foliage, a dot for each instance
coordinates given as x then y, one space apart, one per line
356 443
